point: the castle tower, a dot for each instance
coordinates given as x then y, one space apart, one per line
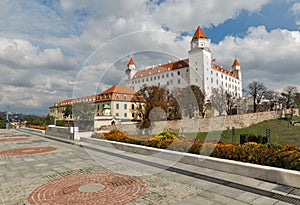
130 71
199 59
236 69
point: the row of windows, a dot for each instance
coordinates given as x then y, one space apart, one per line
154 78
222 76
226 85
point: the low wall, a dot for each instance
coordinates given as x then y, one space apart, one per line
205 124
62 132
271 174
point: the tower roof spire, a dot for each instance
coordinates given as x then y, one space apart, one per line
235 63
199 33
131 62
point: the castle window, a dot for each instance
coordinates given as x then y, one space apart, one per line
125 106
143 80
154 77
147 79
151 78
178 72
167 82
216 74
212 72
179 66
117 106
117 114
196 80
117 96
178 81
171 81
124 96
158 77
172 74
222 76
167 75
217 82
162 76
139 81
212 80
158 84
187 70
132 106
132 115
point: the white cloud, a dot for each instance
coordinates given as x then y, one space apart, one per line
191 13
271 57
43 44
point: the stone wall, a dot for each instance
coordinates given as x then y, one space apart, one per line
63 132
204 124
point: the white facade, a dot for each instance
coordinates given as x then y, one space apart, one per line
198 70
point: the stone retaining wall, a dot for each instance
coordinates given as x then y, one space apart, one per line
205 124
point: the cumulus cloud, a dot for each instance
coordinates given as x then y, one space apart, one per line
271 57
46 42
296 10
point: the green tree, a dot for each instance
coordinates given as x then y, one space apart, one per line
68 111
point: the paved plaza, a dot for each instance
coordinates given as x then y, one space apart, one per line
41 169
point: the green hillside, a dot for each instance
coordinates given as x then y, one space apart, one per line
280 132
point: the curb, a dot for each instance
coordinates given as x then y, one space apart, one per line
266 173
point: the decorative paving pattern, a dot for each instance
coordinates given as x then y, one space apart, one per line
13 139
27 151
93 188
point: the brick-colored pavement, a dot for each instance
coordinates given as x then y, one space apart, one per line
94 188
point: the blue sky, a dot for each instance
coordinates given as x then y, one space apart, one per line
51 50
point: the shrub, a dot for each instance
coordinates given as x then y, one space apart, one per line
253 138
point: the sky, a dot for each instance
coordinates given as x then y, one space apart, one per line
51 50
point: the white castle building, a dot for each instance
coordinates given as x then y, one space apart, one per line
198 69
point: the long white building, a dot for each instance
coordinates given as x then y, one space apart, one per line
198 69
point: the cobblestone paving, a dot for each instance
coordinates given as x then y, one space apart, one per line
70 173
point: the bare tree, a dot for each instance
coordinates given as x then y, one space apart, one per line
289 94
231 102
155 104
218 100
192 100
257 91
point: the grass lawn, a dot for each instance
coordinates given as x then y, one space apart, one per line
280 132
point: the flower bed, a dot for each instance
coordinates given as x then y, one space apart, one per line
39 127
283 156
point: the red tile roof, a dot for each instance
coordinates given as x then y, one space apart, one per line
131 62
162 68
235 63
223 70
199 33
118 89
116 92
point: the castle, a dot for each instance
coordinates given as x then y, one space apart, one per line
198 69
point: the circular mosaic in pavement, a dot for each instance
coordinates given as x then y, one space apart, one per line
93 188
13 139
27 150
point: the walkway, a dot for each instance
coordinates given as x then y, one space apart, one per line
35 169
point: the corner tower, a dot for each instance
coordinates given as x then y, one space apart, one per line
199 59
130 71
